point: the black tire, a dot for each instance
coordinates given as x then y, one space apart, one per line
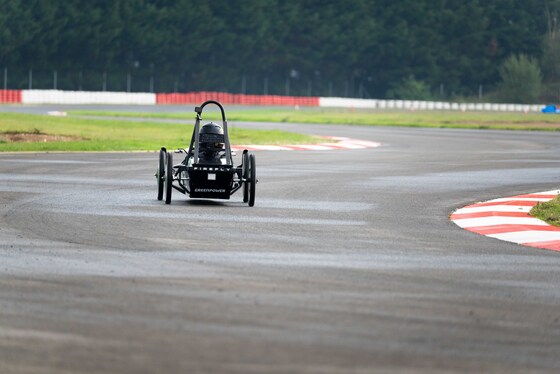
253 181
169 178
160 174
246 175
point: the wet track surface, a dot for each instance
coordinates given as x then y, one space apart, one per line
347 263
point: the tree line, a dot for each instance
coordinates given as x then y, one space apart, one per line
366 48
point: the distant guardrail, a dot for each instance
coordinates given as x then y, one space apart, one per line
341 102
135 98
235 99
10 96
85 97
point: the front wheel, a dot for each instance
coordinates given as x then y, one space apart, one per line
169 178
160 173
245 174
253 181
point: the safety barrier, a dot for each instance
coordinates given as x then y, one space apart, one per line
87 97
343 102
235 99
10 96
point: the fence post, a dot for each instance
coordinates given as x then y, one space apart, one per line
5 78
266 85
128 82
55 79
30 79
152 83
104 81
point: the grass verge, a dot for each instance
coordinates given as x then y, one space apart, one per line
548 211
434 119
86 134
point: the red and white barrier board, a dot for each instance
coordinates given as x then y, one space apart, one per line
10 96
145 98
235 99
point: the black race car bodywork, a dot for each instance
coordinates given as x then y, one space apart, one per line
207 171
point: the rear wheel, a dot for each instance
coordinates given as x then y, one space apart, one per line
253 181
169 179
160 173
246 175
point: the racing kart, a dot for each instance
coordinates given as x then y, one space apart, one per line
207 171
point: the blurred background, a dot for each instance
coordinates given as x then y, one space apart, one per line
493 51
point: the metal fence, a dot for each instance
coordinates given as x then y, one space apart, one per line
290 83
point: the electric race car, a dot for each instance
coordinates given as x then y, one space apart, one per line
207 171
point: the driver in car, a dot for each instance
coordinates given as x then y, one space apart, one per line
211 144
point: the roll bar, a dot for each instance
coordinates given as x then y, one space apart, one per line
196 130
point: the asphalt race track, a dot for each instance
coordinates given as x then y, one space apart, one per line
348 262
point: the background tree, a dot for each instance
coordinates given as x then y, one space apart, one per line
550 61
320 47
521 80
410 89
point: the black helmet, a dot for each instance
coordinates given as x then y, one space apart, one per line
211 141
212 128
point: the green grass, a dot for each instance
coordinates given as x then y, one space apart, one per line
109 133
548 211
435 119
119 135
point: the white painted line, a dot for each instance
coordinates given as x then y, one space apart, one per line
552 192
494 208
506 199
57 113
527 236
493 221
